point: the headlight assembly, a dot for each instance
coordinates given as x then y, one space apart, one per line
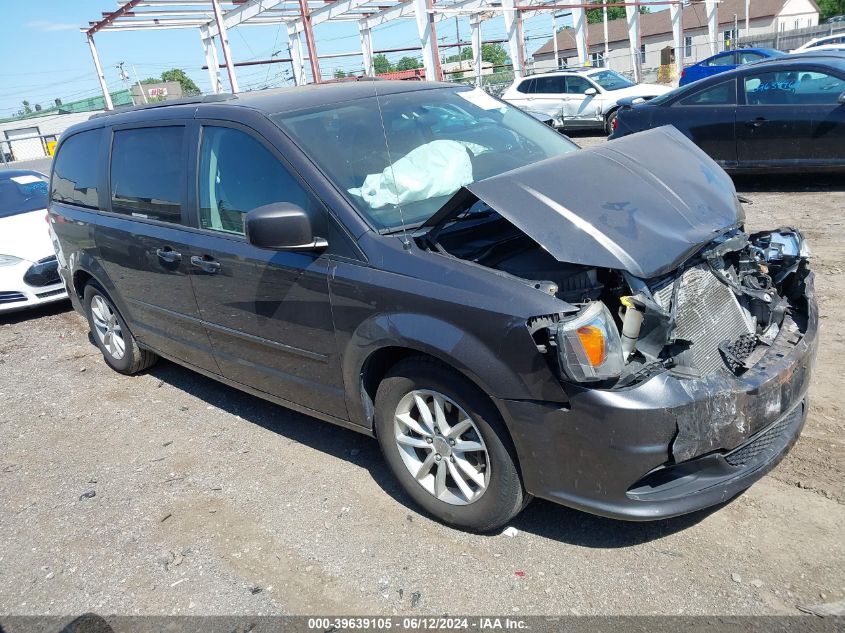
589 345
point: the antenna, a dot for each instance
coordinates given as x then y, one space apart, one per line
406 243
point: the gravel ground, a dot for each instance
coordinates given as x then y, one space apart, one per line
168 493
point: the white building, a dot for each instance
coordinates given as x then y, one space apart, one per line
764 16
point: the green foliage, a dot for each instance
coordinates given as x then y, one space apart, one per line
26 109
339 74
613 13
381 64
829 8
492 53
189 88
408 63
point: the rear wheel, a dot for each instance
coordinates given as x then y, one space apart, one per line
120 349
447 445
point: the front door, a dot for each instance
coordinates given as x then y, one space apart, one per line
821 91
267 312
772 127
141 241
579 109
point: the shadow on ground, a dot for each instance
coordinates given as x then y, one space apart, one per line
541 517
789 183
45 310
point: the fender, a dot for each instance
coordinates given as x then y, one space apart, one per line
84 261
488 369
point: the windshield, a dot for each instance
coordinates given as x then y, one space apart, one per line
21 192
430 144
611 80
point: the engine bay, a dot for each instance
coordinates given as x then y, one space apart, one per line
719 311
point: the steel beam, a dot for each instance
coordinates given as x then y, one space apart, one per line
713 24
224 44
213 63
428 39
632 12
297 63
475 29
579 20
512 32
102 78
676 13
366 35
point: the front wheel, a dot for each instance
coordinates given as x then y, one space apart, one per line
447 445
608 122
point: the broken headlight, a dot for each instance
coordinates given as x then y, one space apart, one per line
589 345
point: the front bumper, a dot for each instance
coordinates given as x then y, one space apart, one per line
616 453
17 294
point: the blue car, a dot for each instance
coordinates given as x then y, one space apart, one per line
725 61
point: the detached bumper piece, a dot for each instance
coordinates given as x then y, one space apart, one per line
714 478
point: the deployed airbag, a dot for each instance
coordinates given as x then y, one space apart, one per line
438 168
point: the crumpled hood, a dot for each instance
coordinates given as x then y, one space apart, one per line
643 203
25 236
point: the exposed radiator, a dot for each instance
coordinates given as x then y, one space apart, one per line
707 313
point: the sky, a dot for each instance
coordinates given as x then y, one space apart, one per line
45 56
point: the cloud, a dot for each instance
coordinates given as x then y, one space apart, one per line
42 25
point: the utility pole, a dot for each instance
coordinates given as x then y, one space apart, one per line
140 87
554 39
458 40
605 62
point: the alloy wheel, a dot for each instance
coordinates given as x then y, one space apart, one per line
441 447
107 328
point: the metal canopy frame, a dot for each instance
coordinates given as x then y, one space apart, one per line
213 19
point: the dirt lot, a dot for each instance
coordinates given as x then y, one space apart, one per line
209 501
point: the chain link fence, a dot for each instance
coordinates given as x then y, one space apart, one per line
27 148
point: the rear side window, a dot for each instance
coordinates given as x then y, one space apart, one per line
549 85
238 174
721 94
525 86
720 60
148 173
76 168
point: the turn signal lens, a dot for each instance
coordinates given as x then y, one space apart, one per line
589 345
592 339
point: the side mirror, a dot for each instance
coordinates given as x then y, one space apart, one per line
281 226
841 98
591 92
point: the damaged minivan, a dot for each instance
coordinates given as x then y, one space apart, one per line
509 315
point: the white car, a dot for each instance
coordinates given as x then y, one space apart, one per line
578 99
827 43
28 270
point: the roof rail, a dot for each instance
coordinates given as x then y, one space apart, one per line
213 98
563 69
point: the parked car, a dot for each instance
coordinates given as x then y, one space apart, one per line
725 61
784 114
510 316
836 19
578 98
827 42
28 269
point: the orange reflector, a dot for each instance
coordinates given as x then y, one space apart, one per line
592 340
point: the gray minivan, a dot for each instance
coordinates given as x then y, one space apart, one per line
509 315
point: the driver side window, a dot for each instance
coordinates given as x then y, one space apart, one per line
238 174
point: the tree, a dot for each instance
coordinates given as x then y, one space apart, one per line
829 8
494 54
613 13
339 74
491 53
189 88
408 63
381 64
27 108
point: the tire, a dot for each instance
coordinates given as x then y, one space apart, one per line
493 479
608 122
119 348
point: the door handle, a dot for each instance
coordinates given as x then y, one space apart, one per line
759 121
168 255
205 263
